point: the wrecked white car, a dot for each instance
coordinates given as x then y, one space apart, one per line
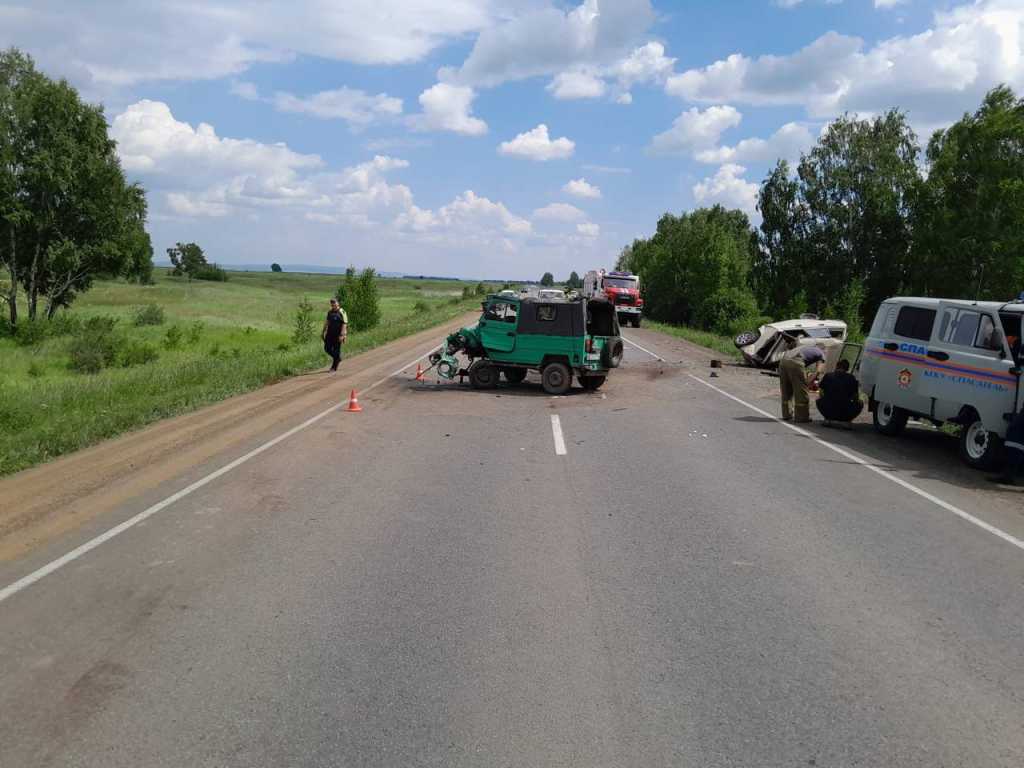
764 347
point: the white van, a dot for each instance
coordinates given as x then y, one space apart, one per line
946 361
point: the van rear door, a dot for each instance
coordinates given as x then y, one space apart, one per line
968 363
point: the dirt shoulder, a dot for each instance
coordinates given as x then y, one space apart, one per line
62 495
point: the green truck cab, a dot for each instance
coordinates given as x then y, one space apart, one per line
561 338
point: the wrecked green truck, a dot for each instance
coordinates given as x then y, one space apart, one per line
560 338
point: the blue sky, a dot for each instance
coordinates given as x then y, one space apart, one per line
489 138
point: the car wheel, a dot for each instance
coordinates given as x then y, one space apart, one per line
611 355
978 447
483 375
592 383
556 378
514 375
888 419
746 338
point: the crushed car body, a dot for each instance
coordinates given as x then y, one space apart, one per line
764 347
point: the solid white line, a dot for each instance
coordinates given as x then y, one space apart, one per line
556 429
888 475
60 562
656 357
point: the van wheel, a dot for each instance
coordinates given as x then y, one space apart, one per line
592 383
483 375
978 447
890 420
611 355
556 378
514 375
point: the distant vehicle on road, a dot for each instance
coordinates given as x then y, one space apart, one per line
551 293
620 288
764 347
560 338
946 360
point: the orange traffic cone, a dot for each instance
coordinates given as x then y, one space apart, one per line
353 403
419 373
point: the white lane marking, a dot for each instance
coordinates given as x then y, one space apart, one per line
877 470
630 341
556 429
60 562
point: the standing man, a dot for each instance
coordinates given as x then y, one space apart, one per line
840 396
1014 449
335 333
793 381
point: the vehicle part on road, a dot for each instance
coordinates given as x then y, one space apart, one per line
888 419
592 383
517 334
483 375
556 378
353 404
979 448
716 364
419 373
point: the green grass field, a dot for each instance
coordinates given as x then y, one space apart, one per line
237 336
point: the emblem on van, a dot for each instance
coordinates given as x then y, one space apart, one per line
903 378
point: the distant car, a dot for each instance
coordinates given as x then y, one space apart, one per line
508 292
550 293
764 347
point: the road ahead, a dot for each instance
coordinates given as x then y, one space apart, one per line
429 583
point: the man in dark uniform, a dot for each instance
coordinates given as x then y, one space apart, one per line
335 333
1014 450
840 401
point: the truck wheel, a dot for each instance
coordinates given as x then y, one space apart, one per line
556 378
592 383
746 338
483 375
978 447
514 375
636 321
611 355
890 420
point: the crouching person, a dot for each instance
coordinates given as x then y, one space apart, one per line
840 401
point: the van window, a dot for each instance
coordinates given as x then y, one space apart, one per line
988 338
966 328
881 316
915 323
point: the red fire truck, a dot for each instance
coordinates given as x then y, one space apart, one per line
620 288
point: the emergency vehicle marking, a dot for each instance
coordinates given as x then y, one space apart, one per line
959 374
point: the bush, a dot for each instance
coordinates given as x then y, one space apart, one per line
467 292
138 353
210 272
173 337
35 370
96 344
151 314
305 323
30 333
725 309
195 332
64 324
86 360
420 307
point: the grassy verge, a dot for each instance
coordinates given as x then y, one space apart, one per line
241 339
721 344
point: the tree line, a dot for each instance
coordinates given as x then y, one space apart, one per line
67 213
866 214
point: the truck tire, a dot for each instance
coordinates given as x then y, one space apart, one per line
746 338
611 355
979 448
483 375
556 378
636 321
889 419
514 375
592 383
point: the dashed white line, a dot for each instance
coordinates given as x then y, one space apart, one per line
60 562
556 429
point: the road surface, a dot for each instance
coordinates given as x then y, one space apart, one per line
663 575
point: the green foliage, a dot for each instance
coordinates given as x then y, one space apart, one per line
363 303
547 280
30 333
305 324
194 332
35 370
574 282
173 337
86 360
151 314
481 289
421 306
96 345
848 308
624 263
468 292
348 290
211 272
186 259
65 324
137 353
275 267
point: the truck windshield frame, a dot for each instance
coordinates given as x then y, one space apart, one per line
619 282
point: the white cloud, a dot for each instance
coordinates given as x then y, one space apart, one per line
115 43
537 145
544 40
888 3
935 75
247 91
582 188
577 84
607 169
786 143
468 214
354 106
694 129
646 64
559 212
729 188
448 107
588 229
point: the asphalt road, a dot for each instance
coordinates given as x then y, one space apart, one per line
429 583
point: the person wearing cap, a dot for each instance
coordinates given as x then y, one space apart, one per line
840 401
335 333
793 381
